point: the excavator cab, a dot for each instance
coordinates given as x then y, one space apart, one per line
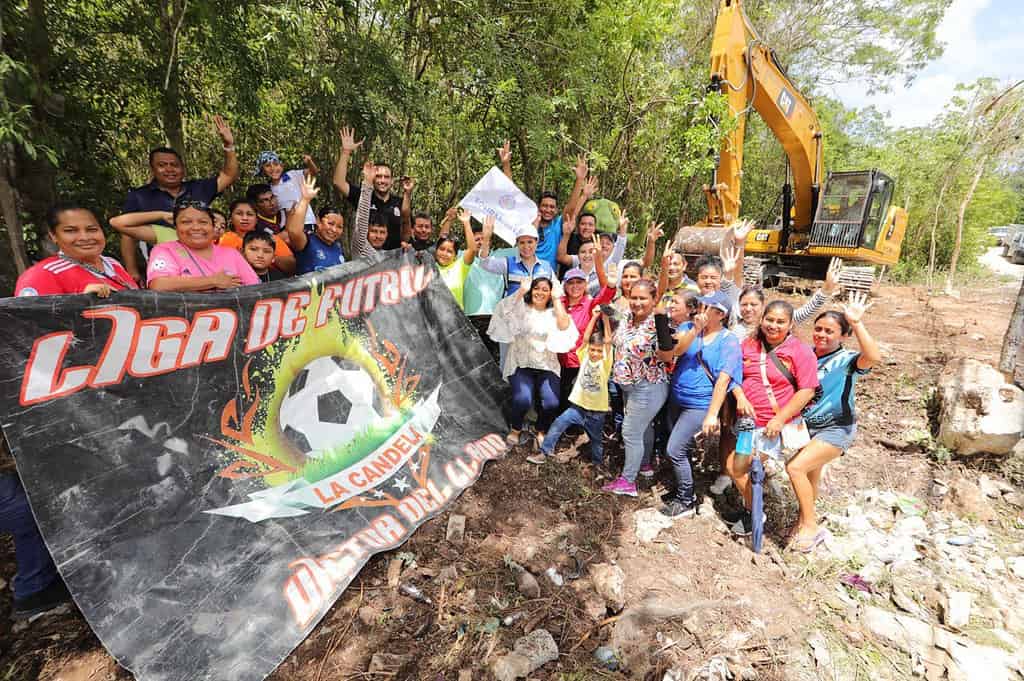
855 218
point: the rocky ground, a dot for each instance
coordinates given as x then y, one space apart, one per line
921 577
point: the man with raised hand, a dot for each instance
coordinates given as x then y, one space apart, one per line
169 186
383 204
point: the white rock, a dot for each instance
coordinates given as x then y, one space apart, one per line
530 653
994 565
989 487
957 612
911 526
610 584
649 523
980 411
1016 565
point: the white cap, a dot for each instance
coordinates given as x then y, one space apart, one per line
527 230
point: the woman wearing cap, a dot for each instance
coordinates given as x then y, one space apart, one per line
580 307
708 364
79 266
779 379
536 327
831 418
643 379
194 262
287 186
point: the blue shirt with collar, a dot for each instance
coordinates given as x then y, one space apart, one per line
150 197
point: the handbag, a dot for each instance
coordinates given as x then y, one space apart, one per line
794 434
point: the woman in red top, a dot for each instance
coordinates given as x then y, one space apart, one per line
780 374
80 267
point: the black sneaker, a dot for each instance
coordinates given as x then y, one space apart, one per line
744 526
677 509
41 601
734 516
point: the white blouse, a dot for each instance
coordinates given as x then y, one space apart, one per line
533 335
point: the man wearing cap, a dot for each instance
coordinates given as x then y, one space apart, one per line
708 365
580 307
286 185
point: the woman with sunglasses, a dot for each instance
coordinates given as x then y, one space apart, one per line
194 262
80 266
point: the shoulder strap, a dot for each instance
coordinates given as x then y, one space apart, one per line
783 369
703 364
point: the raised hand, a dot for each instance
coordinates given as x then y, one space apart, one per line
348 140
740 230
623 223
464 215
730 258
408 184
369 172
655 231
855 307
308 188
568 224
590 188
835 268
524 286
580 168
557 292
505 152
226 136
700 320
489 226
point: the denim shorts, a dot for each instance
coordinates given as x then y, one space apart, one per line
840 437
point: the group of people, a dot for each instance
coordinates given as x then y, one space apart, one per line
587 338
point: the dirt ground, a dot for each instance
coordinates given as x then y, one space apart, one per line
759 610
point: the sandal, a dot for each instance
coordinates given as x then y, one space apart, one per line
805 544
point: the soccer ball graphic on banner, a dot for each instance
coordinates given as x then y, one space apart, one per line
330 401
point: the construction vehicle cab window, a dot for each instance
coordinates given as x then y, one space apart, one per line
843 213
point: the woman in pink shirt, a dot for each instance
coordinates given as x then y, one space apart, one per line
194 262
780 375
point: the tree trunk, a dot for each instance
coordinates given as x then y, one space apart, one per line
12 223
935 227
172 16
960 223
1013 341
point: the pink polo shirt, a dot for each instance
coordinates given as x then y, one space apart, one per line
174 259
580 314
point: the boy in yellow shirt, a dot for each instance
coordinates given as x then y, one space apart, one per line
589 397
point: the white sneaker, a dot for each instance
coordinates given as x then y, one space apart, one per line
721 483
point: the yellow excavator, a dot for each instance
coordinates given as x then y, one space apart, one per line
852 217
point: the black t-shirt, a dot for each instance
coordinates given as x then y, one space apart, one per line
150 197
272 275
391 210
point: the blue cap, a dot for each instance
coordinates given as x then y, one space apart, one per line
717 300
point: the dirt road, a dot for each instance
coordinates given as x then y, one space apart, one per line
759 611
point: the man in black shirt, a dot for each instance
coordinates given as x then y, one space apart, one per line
169 186
387 206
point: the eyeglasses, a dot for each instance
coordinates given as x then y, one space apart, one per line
191 203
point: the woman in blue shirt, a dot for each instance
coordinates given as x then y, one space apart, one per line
830 417
708 363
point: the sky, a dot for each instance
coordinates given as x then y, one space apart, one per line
982 38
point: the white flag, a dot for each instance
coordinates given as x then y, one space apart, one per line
499 196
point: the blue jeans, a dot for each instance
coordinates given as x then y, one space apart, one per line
615 398
643 402
36 570
575 415
526 383
681 444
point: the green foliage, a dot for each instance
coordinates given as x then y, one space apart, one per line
435 86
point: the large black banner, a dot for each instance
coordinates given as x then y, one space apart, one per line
211 471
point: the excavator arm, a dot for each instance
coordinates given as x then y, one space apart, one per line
745 70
